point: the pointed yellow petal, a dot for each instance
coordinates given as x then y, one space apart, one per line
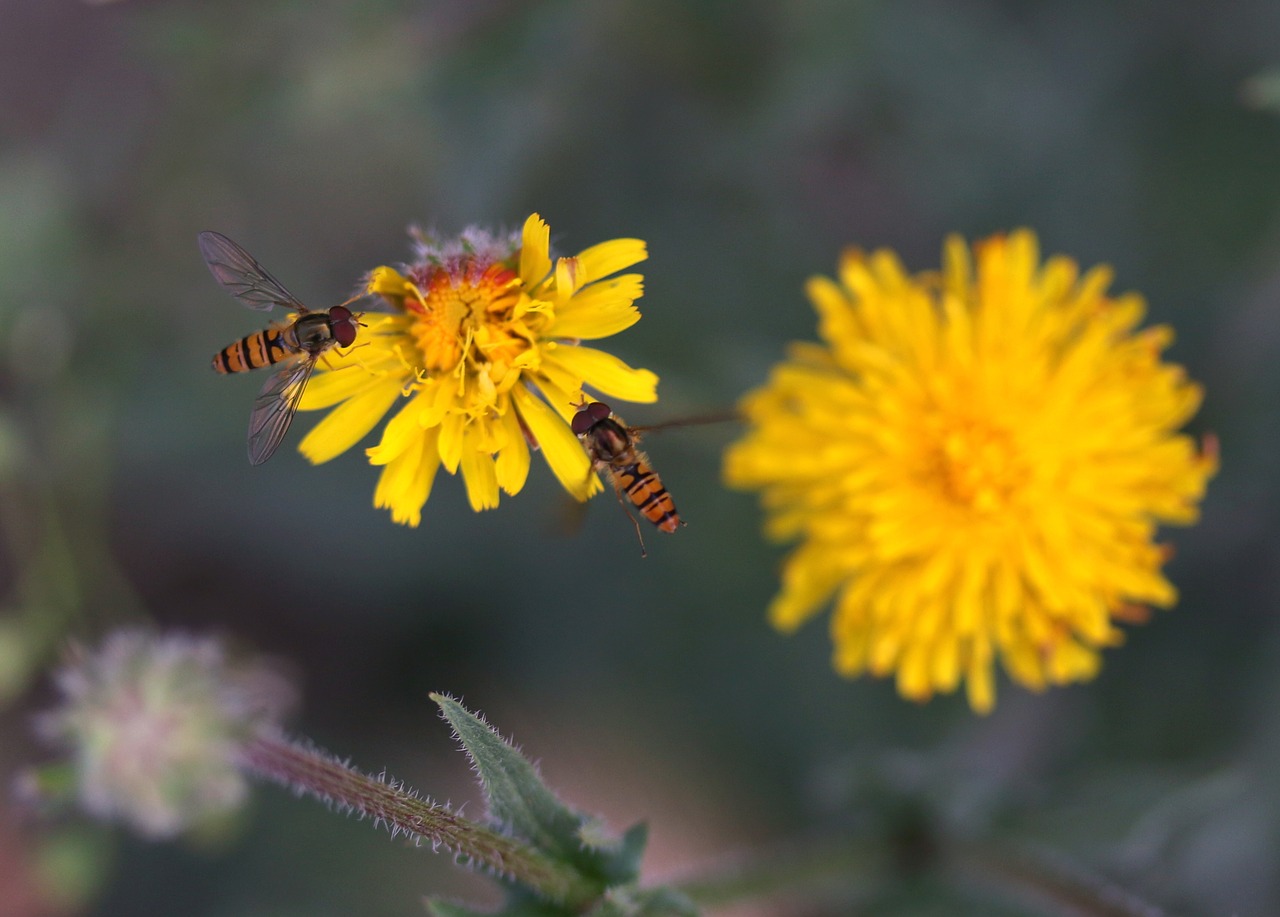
405 483
513 459
564 400
452 440
399 433
535 251
568 280
605 372
348 423
386 281
480 478
601 310
608 258
328 388
808 581
561 449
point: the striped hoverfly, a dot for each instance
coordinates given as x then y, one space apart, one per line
294 345
612 447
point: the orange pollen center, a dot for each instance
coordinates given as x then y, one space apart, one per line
466 318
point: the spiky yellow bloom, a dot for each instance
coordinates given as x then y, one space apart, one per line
480 359
975 463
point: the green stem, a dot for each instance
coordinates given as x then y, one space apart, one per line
308 770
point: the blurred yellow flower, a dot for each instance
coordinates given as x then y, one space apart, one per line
483 348
975 463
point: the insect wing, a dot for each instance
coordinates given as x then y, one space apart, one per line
243 277
274 408
695 421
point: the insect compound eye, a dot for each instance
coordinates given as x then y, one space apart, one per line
343 325
582 421
588 416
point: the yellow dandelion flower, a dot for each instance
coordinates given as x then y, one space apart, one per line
975 463
480 358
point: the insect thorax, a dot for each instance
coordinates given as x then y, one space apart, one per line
612 442
312 333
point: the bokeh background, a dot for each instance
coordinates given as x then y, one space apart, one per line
748 143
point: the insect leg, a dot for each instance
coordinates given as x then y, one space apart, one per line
618 493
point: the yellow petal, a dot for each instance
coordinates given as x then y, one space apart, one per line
567 278
535 251
601 310
605 372
513 459
561 449
560 386
439 398
399 433
452 440
980 685
348 423
808 581
608 258
386 281
405 482
480 478
328 388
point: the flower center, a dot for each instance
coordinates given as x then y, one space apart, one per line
976 464
468 319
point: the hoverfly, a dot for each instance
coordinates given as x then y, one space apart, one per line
295 345
611 446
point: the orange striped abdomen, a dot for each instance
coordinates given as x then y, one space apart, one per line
253 351
645 491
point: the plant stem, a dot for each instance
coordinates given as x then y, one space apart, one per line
306 769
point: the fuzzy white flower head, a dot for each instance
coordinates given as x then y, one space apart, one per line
473 244
155 725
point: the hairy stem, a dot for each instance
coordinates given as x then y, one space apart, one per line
306 769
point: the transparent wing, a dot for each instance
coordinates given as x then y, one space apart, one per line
243 277
274 408
695 421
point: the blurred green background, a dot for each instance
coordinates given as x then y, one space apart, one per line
748 143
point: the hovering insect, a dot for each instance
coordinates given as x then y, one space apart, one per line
611 446
295 345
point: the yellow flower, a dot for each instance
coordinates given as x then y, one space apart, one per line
975 464
481 358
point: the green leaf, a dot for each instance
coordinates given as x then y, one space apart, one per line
527 810
516 795
617 860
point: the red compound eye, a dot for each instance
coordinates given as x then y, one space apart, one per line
588 416
342 325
